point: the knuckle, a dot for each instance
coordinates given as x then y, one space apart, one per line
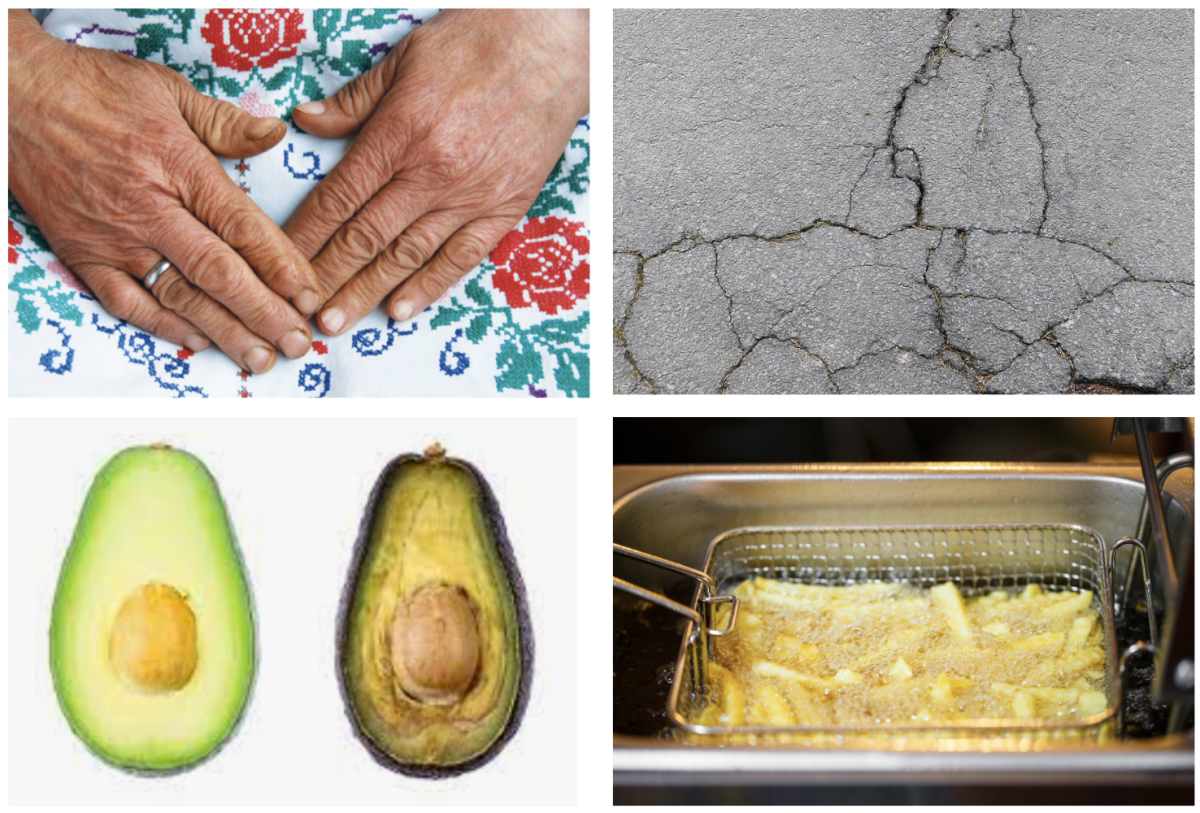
212 271
361 237
357 99
335 202
177 294
116 298
436 279
465 252
408 253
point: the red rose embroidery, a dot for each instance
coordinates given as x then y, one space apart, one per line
543 263
15 238
242 38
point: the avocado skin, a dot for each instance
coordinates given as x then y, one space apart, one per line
491 510
236 725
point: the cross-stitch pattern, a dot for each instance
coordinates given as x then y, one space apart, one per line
517 325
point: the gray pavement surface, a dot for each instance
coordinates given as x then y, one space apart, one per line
903 201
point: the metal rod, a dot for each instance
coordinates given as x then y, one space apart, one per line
1178 715
661 601
699 575
1139 550
1165 469
1157 519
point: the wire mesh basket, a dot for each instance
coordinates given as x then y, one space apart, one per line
976 558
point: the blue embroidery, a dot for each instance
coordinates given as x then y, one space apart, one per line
309 174
313 377
139 348
584 122
364 341
461 362
47 359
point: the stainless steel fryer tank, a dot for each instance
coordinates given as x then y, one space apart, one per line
675 512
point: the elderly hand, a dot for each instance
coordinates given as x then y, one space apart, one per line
460 126
112 157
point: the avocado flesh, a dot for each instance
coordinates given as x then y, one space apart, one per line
153 517
430 526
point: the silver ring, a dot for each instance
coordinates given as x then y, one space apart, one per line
155 273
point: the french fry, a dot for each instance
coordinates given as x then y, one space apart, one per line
1045 640
1081 628
847 676
997 628
789 649
900 670
769 708
765 668
1023 705
1073 605
1093 702
733 700
942 693
947 597
1066 665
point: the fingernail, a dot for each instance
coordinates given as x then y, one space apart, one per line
261 128
258 359
402 311
311 108
305 302
332 319
196 343
295 344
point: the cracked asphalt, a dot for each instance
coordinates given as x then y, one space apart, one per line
903 201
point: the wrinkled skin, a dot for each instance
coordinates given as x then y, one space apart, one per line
113 158
459 126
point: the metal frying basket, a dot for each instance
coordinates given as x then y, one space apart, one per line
977 558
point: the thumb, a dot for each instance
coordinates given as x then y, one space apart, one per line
228 130
346 111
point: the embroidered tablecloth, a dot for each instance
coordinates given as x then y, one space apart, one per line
517 325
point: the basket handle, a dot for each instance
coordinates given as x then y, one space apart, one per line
1139 551
675 606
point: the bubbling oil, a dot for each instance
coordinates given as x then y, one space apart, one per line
874 654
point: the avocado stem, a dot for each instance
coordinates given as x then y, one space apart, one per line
161 447
434 453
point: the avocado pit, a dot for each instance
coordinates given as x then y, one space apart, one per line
153 642
435 644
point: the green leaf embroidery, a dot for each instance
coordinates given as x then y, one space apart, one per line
229 86
572 372
278 80
152 39
448 315
519 365
63 303
312 88
556 332
550 198
477 292
27 314
578 179
354 60
479 327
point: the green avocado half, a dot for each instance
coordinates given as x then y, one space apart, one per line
152 635
434 649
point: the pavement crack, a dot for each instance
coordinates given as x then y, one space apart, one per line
619 329
863 174
928 70
1037 125
728 298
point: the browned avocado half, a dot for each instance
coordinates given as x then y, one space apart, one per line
435 649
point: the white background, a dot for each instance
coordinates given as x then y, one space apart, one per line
295 491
